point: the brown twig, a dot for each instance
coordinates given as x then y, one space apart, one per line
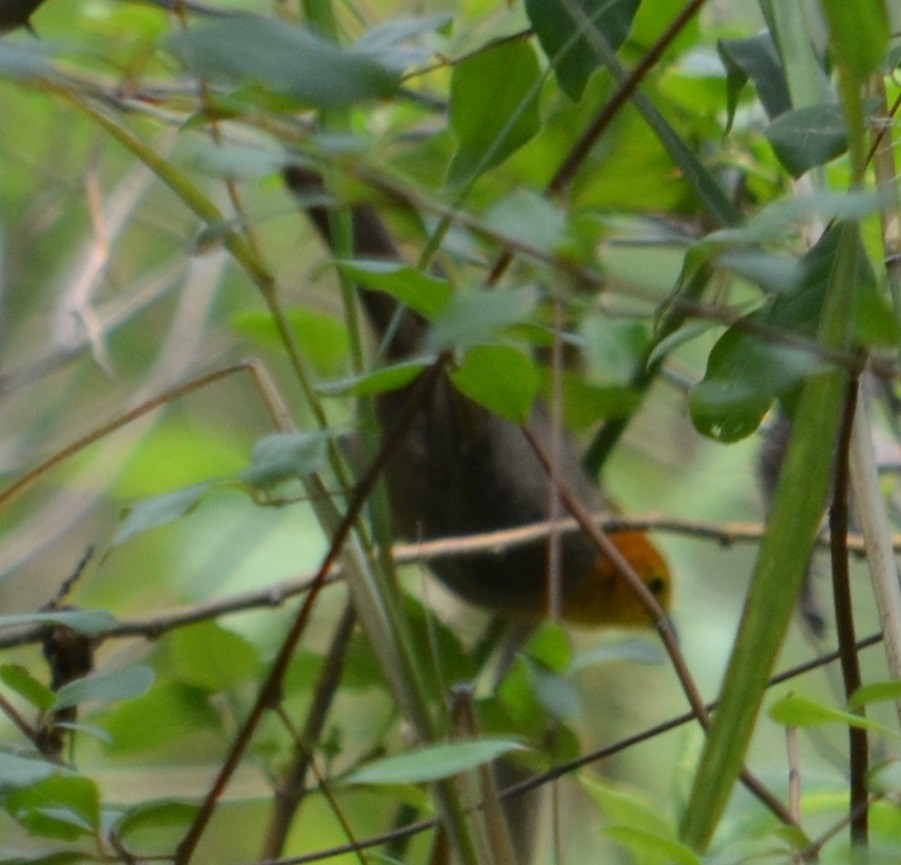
568 767
269 693
659 619
794 772
729 316
589 137
844 617
812 851
580 150
153 627
292 785
23 726
323 785
122 420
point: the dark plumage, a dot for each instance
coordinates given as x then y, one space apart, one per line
461 470
17 13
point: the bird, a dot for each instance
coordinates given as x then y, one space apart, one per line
17 13
461 470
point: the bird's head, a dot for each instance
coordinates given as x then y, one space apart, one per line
602 597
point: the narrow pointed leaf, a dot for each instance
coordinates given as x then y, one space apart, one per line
105 687
493 106
564 41
781 563
285 59
434 762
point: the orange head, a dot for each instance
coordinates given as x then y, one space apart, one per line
603 597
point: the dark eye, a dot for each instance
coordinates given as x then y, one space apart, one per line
657 585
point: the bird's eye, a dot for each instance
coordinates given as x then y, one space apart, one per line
657 585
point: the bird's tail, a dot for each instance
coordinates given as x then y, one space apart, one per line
371 240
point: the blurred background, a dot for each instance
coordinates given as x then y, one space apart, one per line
110 294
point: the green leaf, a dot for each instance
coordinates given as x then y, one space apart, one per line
473 317
633 650
530 218
626 808
426 628
615 348
212 657
877 692
176 456
383 41
757 58
17 678
793 710
744 376
169 711
61 806
550 647
647 846
807 137
518 700
681 336
562 38
283 58
233 161
155 814
774 273
493 106
859 34
285 456
556 694
875 323
746 372
304 669
433 762
382 380
679 150
782 560
322 337
18 771
782 218
87 622
499 377
584 403
159 511
105 687
421 292
361 668
885 780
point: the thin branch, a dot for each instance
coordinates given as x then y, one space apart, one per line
23 726
729 316
871 512
589 137
844 617
324 785
155 626
563 768
292 785
122 420
659 618
269 693
794 772
812 851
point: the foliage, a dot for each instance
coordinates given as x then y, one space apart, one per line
699 196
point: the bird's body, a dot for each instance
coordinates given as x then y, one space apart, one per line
461 470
